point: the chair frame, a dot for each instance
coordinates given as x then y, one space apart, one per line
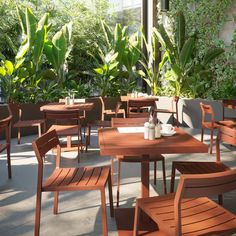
129 122
41 147
28 123
66 115
173 111
115 111
228 104
191 186
5 125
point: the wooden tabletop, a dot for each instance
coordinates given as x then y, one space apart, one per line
147 98
84 106
112 142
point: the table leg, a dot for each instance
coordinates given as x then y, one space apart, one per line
145 176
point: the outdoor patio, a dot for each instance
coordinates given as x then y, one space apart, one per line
79 212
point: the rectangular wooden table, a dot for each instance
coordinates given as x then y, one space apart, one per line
112 142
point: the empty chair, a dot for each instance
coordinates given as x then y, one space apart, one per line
129 122
137 106
173 110
226 105
112 112
21 123
225 134
68 179
67 124
5 125
189 211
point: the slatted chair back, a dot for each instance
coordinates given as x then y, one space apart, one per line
44 144
128 122
138 104
207 110
225 135
203 185
228 104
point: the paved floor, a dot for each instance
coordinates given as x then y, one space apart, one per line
79 212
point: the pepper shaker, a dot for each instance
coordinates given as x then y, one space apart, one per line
151 132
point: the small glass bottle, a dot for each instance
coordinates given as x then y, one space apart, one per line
146 130
158 130
151 131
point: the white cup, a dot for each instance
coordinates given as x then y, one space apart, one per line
167 128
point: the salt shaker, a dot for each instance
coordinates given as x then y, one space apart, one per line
67 100
158 130
151 131
146 130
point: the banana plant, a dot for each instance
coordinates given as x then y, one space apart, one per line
58 50
150 72
183 68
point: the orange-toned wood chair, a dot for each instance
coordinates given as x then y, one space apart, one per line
228 104
67 125
139 107
133 122
189 211
173 110
40 124
225 134
211 123
69 179
5 125
111 112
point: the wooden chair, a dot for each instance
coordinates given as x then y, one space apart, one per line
69 179
189 211
225 134
5 125
40 123
111 112
132 122
138 107
228 104
67 125
173 110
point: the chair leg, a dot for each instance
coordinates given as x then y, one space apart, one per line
9 161
172 182
155 173
177 119
18 136
39 130
220 199
37 213
112 171
136 219
104 215
118 184
164 175
202 134
211 141
55 206
110 195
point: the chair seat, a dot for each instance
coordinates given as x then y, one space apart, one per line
139 158
165 111
199 216
208 125
65 130
28 123
190 167
84 178
228 123
113 111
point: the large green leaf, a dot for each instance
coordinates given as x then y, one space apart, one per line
211 54
22 50
31 24
48 52
187 52
59 48
107 33
180 31
43 21
9 67
22 18
40 40
2 71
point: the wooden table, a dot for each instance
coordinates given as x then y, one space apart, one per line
113 143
